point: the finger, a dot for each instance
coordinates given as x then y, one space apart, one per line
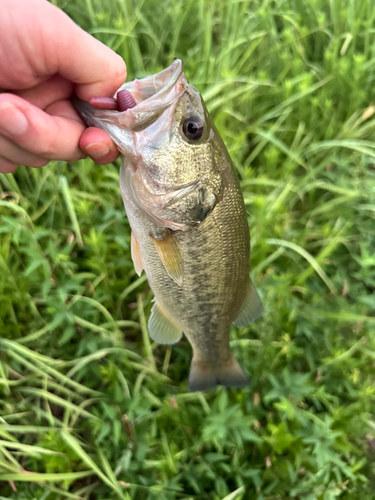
94 142
53 137
76 55
97 69
64 109
6 166
19 156
98 145
42 95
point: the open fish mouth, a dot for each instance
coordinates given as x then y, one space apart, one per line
152 95
154 87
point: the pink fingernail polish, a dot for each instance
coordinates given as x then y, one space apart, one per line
97 149
12 120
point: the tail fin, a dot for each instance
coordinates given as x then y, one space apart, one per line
203 377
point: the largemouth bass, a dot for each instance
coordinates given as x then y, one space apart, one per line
188 220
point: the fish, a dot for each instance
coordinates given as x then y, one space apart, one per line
187 215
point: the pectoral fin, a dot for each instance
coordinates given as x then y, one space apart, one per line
170 256
161 329
136 255
251 308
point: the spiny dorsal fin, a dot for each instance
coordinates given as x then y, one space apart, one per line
161 329
251 308
170 256
136 255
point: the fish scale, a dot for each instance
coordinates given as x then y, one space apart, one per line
188 218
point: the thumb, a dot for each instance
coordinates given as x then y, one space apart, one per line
95 68
70 51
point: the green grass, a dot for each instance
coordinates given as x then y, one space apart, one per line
97 411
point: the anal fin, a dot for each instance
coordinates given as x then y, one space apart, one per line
251 307
161 329
136 255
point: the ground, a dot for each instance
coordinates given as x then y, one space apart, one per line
97 411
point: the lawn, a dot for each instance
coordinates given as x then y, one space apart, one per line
88 403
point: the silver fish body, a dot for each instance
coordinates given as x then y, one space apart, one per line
188 220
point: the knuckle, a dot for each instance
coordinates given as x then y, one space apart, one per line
73 156
7 167
38 163
47 145
47 148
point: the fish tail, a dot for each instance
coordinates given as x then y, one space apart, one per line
203 376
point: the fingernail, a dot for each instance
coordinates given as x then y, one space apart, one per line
97 149
12 120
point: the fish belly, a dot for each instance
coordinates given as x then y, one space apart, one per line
215 258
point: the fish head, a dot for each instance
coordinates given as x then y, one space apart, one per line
166 140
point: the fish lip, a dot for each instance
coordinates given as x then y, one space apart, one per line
153 95
163 81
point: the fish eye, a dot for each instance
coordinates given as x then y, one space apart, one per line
193 128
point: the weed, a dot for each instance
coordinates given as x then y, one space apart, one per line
90 407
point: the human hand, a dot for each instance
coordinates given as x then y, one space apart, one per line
44 58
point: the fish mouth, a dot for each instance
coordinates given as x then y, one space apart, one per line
152 94
154 87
